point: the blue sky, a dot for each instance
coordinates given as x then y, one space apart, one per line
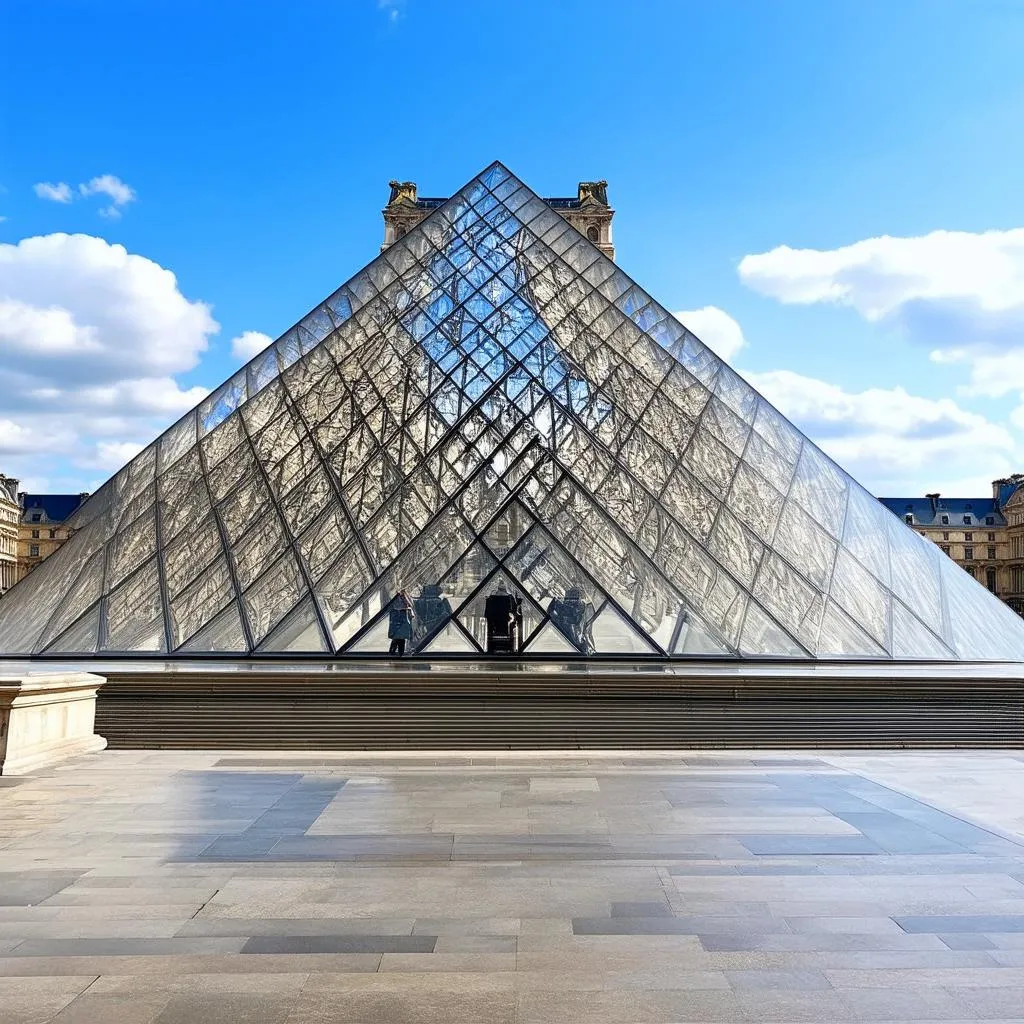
247 149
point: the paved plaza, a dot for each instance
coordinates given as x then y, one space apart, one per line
148 886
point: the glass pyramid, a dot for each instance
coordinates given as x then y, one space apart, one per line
494 406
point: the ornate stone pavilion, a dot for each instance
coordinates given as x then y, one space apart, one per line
493 406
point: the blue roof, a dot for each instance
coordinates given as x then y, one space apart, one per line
57 507
925 514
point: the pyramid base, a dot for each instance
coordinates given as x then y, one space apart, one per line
500 705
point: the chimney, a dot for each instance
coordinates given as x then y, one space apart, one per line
934 499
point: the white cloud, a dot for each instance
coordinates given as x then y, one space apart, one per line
943 288
959 293
393 8
91 338
891 441
249 344
715 328
59 193
112 455
109 185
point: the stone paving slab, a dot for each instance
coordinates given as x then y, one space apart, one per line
142 887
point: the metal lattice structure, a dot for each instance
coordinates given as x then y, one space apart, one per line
494 405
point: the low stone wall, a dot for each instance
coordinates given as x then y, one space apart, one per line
528 708
47 717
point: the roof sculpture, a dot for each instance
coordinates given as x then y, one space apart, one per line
493 405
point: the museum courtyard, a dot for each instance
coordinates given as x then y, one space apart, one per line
174 887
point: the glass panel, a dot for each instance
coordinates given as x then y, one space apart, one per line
222 441
375 640
612 634
130 548
806 545
182 509
755 502
219 406
549 640
505 531
276 591
696 639
790 599
243 507
135 614
915 574
324 541
190 553
763 636
196 606
82 592
692 505
451 640
23 615
300 631
866 532
177 441
307 498
338 591
820 487
224 634
79 638
984 628
840 637
260 546
736 548
862 596
911 638
773 466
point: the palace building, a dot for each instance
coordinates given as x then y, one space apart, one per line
10 512
984 536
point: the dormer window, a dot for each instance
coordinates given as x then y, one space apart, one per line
967 520
990 521
945 520
909 519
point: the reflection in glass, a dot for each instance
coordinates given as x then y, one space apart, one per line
503 613
574 617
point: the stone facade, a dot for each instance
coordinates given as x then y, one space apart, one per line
984 536
10 513
589 212
42 529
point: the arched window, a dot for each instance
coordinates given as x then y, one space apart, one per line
593 234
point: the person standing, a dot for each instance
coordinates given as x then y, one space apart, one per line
400 623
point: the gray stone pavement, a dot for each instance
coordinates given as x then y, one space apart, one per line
140 887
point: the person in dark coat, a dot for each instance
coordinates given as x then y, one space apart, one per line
504 614
573 617
432 609
399 623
